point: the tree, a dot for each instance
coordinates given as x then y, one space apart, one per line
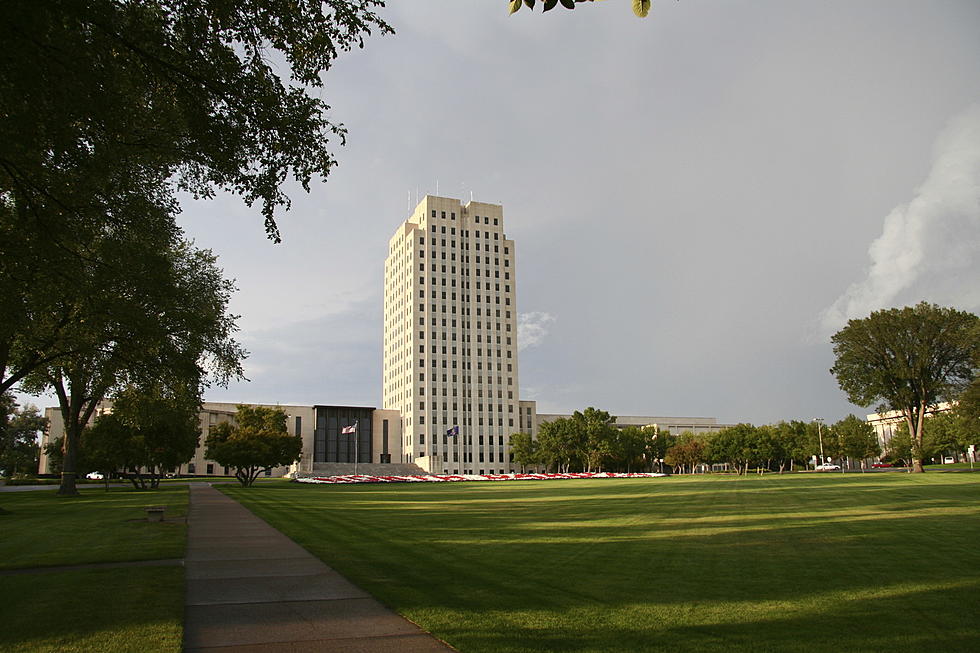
736 445
690 451
629 447
595 432
110 107
898 449
559 443
907 359
183 87
19 432
153 313
659 445
856 439
525 449
794 442
148 432
640 7
258 440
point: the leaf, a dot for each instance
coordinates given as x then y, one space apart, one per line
515 5
568 4
529 3
641 8
550 4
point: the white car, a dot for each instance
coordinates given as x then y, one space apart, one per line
828 467
94 476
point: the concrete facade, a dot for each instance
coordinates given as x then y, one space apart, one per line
450 336
885 424
300 420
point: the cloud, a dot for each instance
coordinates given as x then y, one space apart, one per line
532 328
930 245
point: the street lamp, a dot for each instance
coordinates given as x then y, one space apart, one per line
819 421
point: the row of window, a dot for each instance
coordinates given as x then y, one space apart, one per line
465 421
467 440
466 272
479 408
486 220
465 311
465 284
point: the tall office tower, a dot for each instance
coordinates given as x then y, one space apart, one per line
450 337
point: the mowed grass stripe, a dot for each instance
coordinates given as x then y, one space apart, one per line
109 610
45 529
851 562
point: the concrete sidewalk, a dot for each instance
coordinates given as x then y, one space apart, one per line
250 588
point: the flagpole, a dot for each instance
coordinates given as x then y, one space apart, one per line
356 438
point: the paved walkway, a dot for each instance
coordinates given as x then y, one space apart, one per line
250 588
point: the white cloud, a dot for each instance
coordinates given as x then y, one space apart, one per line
532 328
930 245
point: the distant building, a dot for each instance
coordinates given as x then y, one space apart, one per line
325 447
450 338
673 425
450 385
885 424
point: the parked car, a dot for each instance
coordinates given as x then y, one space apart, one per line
828 467
880 465
94 476
948 460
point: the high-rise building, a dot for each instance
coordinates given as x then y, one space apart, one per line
450 337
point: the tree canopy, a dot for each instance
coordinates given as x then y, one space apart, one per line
257 440
182 90
150 311
907 359
150 431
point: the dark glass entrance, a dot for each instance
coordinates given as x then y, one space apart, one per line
332 446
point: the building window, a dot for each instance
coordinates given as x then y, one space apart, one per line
210 468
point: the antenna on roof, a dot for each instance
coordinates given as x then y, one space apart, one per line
437 187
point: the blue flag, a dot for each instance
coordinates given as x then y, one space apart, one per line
453 431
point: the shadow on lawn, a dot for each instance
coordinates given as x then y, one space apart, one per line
814 567
136 609
881 624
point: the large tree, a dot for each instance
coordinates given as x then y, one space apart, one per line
149 432
152 311
110 107
256 441
907 359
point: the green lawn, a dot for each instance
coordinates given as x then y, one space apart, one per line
853 562
97 609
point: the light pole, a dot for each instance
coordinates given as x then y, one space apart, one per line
819 421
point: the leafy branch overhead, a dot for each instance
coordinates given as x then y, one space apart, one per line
640 7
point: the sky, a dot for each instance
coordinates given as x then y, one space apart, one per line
698 199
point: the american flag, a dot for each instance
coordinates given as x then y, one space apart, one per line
349 430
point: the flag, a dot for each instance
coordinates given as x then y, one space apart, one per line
349 430
453 431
